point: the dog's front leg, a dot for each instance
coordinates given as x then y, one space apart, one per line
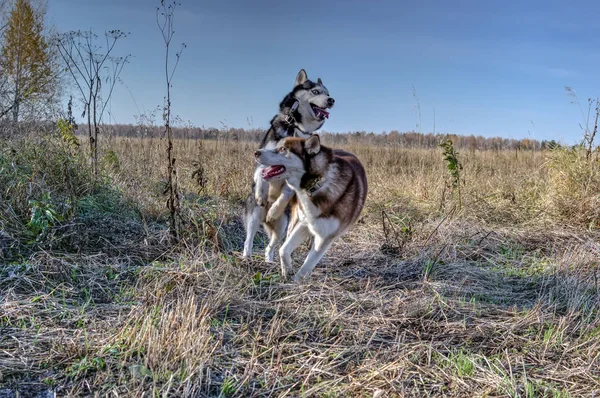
294 239
316 253
277 232
261 188
278 207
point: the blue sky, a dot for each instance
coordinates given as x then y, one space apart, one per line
483 67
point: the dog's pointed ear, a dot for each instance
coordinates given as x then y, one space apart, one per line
319 81
313 145
301 78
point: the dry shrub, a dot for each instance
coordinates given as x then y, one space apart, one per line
574 187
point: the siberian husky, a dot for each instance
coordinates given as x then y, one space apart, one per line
330 189
301 113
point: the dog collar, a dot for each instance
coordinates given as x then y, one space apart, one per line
290 116
314 185
291 120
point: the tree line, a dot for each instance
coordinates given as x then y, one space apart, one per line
409 139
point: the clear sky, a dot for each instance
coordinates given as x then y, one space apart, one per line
482 67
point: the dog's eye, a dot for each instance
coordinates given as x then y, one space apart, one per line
282 149
316 92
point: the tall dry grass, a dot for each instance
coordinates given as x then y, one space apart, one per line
421 298
499 186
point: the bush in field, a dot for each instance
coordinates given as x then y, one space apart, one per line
454 167
574 187
30 168
43 178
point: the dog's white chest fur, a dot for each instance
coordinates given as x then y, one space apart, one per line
302 217
324 227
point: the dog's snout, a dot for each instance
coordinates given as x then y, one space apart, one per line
330 101
256 154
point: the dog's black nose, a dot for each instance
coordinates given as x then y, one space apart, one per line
256 154
330 101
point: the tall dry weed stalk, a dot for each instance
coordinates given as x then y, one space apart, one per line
593 112
594 131
165 20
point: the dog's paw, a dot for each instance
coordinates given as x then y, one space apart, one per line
286 274
299 277
260 201
269 254
271 216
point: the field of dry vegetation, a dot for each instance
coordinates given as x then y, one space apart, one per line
479 283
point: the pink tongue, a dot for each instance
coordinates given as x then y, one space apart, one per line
272 170
324 113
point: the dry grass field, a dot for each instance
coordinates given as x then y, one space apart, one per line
490 292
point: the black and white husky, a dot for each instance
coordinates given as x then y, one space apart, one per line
301 112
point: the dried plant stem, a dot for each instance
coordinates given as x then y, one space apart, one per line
165 19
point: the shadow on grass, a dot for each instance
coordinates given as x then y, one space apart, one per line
509 276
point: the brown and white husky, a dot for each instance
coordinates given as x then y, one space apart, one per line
330 189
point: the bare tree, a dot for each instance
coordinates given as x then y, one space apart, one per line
91 65
165 18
